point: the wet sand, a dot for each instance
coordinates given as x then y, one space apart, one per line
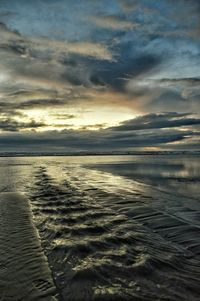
107 236
24 271
129 243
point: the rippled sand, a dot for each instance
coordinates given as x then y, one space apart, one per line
24 271
109 237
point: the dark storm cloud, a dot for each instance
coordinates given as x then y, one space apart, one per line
33 103
185 81
158 121
40 103
87 140
11 125
128 66
11 40
165 94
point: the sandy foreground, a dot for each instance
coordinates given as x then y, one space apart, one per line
109 232
24 271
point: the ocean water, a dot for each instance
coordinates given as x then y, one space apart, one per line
115 227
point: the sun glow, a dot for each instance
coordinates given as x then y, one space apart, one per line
81 119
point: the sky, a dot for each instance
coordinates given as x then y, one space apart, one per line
98 75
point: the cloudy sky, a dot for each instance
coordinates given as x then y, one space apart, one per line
99 75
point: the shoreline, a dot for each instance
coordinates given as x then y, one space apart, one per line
162 153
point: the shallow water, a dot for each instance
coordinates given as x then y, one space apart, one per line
115 227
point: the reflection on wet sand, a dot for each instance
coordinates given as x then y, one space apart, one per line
108 234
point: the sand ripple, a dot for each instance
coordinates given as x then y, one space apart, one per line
104 245
24 271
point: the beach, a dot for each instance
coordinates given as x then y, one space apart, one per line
24 270
100 228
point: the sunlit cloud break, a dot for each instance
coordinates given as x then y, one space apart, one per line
125 73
